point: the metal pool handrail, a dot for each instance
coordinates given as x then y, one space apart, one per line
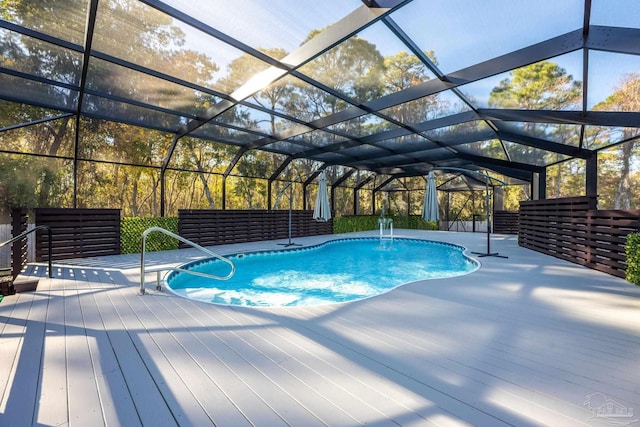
26 233
166 268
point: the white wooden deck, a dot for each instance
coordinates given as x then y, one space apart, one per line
529 340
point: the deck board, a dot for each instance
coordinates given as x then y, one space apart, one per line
478 373
340 378
531 340
17 406
145 393
260 392
219 365
216 407
116 403
12 331
52 405
84 399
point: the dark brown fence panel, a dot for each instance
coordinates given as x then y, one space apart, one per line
572 229
19 249
217 227
608 232
78 233
505 222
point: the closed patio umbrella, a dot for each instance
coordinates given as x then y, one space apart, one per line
322 210
430 208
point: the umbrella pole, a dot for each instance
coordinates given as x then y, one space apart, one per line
290 243
488 214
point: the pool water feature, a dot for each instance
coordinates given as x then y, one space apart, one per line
333 272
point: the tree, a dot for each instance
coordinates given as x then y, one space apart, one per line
401 71
540 86
626 97
354 68
153 40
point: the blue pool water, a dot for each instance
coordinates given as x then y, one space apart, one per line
336 271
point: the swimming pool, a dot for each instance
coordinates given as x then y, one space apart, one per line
333 272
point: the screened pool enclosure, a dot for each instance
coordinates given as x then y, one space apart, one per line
152 106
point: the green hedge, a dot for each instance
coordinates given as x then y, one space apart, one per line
633 258
348 224
132 229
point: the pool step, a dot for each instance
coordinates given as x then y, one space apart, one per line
9 285
25 283
6 281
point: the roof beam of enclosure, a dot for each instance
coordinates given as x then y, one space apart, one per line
44 80
335 185
499 162
36 122
295 60
308 179
594 118
301 127
280 168
585 66
553 47
385 182
335 34
41 36
471 175
364 182
506 171
613 39
545 144
313 176
92 11
343 178
154 73
399 32
560 45
454 140
234 161
441 143
273 176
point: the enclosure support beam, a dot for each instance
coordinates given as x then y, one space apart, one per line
335 185
356 190
224 192
539 185
273 177
88 41
592 176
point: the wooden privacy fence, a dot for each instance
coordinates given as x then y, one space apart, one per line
506 222
574 230
19 249
216 227
78 233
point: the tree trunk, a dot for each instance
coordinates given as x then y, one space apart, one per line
203 178
134 197
623 195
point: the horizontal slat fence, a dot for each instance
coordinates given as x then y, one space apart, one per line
217 227
78 233
506 222
19 249
572 229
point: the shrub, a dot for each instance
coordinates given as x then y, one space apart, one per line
633 258
132 229
348 224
